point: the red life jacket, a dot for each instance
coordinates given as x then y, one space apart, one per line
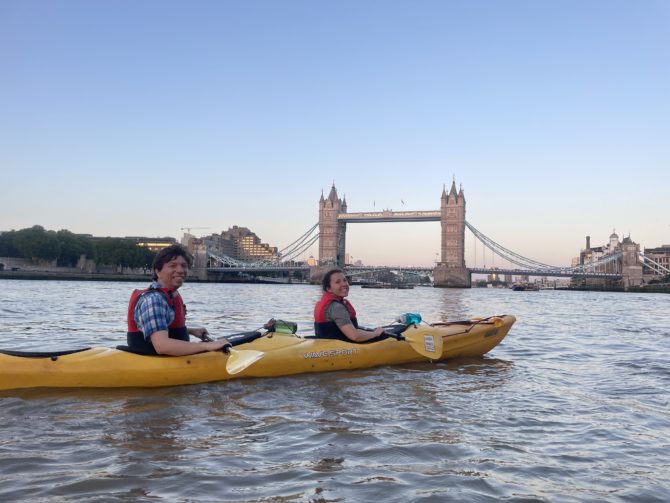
328 329
176 330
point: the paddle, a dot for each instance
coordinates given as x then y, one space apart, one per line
428 345
238 359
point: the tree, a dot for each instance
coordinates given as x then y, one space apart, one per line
72 247
121 252
7 248
141 256
37 243
66 248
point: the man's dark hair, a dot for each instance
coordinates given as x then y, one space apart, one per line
167 254
325 282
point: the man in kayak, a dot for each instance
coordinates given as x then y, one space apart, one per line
334 316
157 315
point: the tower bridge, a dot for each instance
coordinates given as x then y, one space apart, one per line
450 271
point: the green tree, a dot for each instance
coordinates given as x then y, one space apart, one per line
37 243
7 248
107 251
141 256
72 247
121 252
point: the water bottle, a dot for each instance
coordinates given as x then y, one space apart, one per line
409 319
285 327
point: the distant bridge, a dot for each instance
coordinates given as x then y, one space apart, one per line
286 261
331 229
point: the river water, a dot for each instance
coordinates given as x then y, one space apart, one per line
573 406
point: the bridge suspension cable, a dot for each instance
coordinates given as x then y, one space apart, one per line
534 265
654 266
300 245
507 254
284 256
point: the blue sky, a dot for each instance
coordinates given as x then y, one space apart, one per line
140 118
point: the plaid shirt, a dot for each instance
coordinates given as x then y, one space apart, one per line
152 313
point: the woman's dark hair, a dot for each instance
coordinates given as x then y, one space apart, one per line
167 254
325 282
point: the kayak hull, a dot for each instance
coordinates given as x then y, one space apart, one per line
284 354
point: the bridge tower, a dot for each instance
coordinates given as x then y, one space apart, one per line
451 271
631 270
331 232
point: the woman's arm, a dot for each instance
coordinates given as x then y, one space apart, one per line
339 314
358 335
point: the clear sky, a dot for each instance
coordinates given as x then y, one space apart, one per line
122 118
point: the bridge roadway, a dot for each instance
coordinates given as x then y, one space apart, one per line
260 268
281 268
554 273
359 270
390 216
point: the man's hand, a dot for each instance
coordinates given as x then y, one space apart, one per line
217 345
199 332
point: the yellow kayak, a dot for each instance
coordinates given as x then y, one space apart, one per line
270 355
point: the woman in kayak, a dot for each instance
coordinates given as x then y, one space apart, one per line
157 315
334 316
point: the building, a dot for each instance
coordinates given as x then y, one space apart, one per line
660 255
240 243
154 244
593 254
627 264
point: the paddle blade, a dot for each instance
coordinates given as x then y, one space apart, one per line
428 345
238 360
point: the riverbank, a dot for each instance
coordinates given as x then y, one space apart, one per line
129 277
73 276
76 275
651 288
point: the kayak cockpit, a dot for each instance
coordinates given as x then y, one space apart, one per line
234 339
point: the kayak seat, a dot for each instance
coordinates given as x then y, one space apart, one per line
41 354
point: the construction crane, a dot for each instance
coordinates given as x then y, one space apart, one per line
188 229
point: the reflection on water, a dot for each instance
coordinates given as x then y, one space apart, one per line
573 406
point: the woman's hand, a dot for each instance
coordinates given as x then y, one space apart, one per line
359 335
378 331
